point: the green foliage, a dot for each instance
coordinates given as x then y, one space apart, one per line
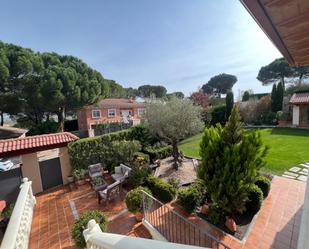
255 199
104 149
79 174
161 189
147 91
215 215
246 96
158 153
229 100
221 83
143 134
264 184
218 115
139 174
175 94
277 97
44 128
230 161
283 116
81 224
303 87
7 212
134 199
141 158
191 197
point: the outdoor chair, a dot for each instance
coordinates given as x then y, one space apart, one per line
121 173
112 191
95 170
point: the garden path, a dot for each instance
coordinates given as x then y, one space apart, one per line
299 172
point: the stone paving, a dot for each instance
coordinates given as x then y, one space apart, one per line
299 172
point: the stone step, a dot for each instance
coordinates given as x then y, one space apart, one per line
290 174
287 176
302 178
305 165
295 169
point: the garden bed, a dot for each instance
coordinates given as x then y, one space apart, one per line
185 174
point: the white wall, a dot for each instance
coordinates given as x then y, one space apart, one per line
295 115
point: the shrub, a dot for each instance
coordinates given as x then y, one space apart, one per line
81 224
158 153
141 158
44 128
215 215
174 181
79 174
191 197
7 212
218 115
134 199
161 189
139 174
264 184
255 199
143 134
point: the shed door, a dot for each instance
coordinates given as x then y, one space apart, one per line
51 175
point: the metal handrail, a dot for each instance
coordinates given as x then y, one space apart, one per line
182 218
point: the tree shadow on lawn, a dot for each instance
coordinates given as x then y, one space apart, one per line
290 132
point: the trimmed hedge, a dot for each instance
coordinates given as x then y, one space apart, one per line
191 197
81 224
143 134
161 189
264 184
158 153
255 197
102 149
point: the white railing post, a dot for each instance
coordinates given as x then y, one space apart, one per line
18 230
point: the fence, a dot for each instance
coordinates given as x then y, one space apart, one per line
18 231
174 227
105 128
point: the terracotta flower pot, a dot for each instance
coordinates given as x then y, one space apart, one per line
230 224
139 216
205 208
70 179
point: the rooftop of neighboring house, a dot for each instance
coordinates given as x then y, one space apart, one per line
7 132
300 98
116 103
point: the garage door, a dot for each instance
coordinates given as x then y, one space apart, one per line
50 173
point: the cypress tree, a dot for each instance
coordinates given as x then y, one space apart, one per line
274 98
230 161
280 92
229 101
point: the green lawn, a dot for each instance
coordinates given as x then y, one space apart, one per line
288 147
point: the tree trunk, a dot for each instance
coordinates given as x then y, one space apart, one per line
1 118
283 83
61 114
175 154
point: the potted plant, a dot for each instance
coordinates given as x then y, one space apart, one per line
134 201
79 176
230 224
70 178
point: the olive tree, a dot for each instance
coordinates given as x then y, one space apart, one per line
173 121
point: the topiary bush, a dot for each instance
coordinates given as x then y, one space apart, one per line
134 199
81 224
255 199
158 153
264 184
191 197
161 189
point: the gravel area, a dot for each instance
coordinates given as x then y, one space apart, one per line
186 173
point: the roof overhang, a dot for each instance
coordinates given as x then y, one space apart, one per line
286 24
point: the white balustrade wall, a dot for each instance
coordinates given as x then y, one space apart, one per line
18 231
96 239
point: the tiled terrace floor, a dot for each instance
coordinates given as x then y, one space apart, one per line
276 225
53 217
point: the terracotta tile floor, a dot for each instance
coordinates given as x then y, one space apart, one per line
53 217
276 225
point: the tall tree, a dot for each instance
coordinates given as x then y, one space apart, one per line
173 121
146 91
221 83
274 98
280 94
229 102
131 92
175 94
276 71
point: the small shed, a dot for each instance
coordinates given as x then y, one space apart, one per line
47 171
300 102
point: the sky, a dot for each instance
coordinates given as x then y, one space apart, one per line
180 44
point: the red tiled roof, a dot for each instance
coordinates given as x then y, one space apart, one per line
300 98
117 103
23 145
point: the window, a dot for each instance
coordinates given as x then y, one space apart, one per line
141 112
111 113
96 113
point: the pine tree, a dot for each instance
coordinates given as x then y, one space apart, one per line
230 161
